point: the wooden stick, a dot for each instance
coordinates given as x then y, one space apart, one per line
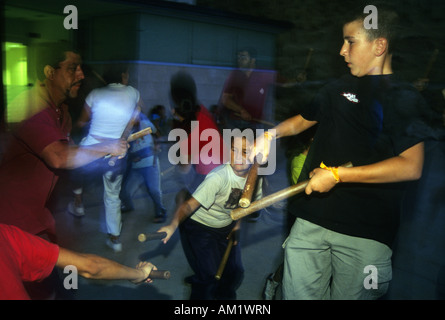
139 134
126 133
223 263
259 120
151 236
159 274
168 170
249 187
269 200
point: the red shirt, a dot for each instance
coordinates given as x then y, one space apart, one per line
206 159
23 257
250 92
26 182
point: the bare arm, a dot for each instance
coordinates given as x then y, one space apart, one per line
96 267
289 127
61 155
183 212
229 103
405 167
293 126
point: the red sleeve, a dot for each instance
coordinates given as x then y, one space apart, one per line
206 160
45 123
34 257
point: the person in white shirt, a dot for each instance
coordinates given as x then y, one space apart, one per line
110 109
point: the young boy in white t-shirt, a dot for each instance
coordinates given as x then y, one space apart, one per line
206 226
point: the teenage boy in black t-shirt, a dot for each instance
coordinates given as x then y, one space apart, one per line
340 244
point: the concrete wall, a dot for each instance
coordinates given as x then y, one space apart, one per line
152 80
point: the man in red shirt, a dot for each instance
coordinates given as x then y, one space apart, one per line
41 146
245 91
26 257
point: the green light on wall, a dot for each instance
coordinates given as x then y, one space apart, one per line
15 78
16 64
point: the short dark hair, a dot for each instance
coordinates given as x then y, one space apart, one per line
388 24
51 54
184 94
251 50
113 73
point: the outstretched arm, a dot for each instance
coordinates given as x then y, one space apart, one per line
96 267
229 103
60 155
289 127
182 213
407 166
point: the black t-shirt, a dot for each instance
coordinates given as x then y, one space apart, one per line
362 120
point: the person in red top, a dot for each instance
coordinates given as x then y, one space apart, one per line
197 122
243 98
26 258
40 147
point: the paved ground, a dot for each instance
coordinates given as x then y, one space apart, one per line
419 262
261 243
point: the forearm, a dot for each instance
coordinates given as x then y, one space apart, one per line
405 167
61 155
292 126
95 267
79 156
182 213
230 104
102 268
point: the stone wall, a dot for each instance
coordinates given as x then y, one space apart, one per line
317 26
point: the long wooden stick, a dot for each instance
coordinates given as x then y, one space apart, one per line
223 262
259 120
269 200
142 237
126 133
249 187
139 134
168 170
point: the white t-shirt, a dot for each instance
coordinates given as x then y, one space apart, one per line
111 110
218 194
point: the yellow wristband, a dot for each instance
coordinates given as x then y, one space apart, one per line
334 171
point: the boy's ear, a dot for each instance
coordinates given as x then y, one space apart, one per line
381 46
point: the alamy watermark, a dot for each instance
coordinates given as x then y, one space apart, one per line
71 20
71 280
210 152
371 21
371 280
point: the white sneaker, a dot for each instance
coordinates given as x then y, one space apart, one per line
77 211
116 245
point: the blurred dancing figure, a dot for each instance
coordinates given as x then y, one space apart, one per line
110 109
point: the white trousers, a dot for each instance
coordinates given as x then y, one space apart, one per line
112 202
